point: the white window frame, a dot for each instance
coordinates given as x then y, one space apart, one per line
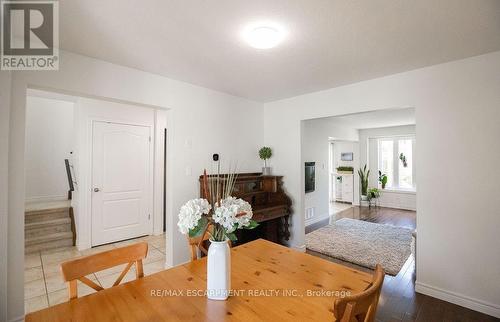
395 154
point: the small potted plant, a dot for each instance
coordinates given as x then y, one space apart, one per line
382 178
345 170
373 194
265 153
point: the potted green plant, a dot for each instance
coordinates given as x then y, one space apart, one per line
266 153
363 178
382 178
345 170
373 193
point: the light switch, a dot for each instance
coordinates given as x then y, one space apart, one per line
188 171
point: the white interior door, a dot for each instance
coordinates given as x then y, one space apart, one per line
121 182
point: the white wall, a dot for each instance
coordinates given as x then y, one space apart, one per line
49 140
369 155
457 112
199 122
345 147
5 87
315 148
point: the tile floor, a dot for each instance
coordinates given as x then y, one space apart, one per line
43 283
336 207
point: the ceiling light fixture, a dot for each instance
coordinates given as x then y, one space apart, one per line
263 35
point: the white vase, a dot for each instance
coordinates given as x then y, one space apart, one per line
266 171
218 271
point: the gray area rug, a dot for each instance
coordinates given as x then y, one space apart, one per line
363 243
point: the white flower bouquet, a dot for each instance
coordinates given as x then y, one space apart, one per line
219 214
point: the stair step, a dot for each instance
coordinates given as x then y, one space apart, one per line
47 228
37 205
45 215
48 245
47 223
44 239
51 241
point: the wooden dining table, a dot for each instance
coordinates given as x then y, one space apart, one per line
269 282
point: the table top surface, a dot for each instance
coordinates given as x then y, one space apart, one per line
269 282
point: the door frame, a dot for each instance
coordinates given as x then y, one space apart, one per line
150 185
331 149
138 115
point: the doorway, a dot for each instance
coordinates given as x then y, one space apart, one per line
344 156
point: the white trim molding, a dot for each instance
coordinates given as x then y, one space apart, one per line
17 319
459 299
301 248
317 219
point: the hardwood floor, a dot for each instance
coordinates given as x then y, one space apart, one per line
398 300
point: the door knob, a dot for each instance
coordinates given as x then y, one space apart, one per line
96 189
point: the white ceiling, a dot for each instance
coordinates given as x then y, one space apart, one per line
330 42
370 120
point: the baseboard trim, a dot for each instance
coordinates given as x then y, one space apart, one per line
459 299
301 248
315 220
389 205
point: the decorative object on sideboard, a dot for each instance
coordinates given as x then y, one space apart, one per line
382 178
310 177
363 179
265 153
346 156
345 170
402 157
219 214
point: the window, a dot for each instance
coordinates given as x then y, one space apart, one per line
386 163
395 159
405 179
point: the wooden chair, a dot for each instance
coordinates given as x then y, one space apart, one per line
198 243
360 307
79 268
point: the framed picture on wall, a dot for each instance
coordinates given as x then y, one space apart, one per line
346 156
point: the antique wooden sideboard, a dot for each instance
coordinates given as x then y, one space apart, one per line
271 206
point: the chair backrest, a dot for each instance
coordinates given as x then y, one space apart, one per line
198 243
360 307
79 268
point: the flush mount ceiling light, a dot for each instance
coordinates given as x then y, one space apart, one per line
263 35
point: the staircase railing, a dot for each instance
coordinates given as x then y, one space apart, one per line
71 183
69 174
